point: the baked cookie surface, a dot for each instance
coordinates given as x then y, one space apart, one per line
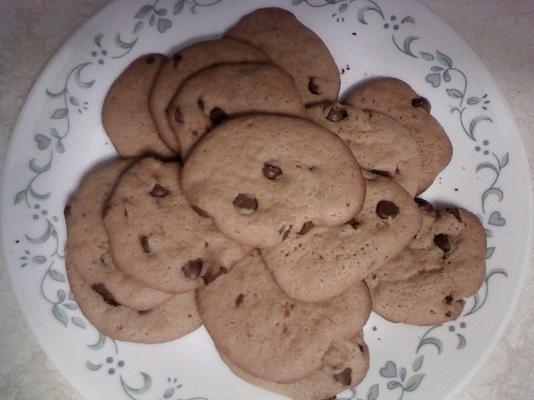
295 48
324 261
183 64
225 90
380 144
170 320
261 176
344 365
264 332
426 283
157 237
398 100
88 249
126 115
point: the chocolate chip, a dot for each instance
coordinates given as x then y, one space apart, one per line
336 114
454 211
421 102
192 269
178 117
306 228
312 86
449 299
239 299
106 209
144 244
381 173
271 171
200 104
423 204
442 241
159 191
246 201
66 211
354 223
144 312
217 115
386 208
344 377
211 275
286 233
103 291
150 60
287 309
448 314
360 347
176 59
200 212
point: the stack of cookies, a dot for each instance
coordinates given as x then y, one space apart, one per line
248 199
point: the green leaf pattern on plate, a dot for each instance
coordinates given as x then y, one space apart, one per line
70 103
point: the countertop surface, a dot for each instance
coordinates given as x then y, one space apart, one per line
501 32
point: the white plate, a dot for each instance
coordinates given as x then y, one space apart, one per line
59 136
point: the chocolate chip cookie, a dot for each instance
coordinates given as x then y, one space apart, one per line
398 100
264 332
380 144
125 114
262 176
321 262
344 365
171 320
216 93
186 62
295 48
426 283
175 247
88 249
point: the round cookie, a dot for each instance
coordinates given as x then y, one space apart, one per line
295 48
221 91
88 245
260 176
125 113
379 143
398 100
425 284
321 262
149 220
345 366
264 332
171 320
185 63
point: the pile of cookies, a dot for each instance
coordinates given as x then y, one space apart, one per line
248 199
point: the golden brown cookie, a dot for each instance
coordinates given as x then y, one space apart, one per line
398 100
426 283
380 144
264 332
88 249
262 176
185 63
125 114
149 220
321 262
170 320
344 365
295 48
225 90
